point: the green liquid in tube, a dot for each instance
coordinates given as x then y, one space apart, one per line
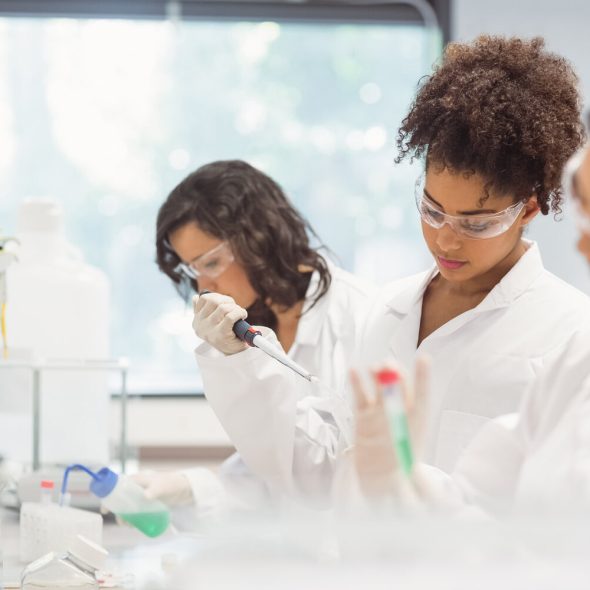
151 524
403 447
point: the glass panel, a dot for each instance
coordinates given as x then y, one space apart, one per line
108 115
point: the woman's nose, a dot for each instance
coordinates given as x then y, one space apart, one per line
447 238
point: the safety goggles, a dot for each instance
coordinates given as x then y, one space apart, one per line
210 265
475 227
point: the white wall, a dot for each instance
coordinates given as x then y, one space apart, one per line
565 25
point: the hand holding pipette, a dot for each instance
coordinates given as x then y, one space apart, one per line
221 322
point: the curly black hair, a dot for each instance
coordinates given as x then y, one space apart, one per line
504 108
233 201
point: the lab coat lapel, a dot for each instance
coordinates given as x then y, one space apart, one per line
405 310
310 322
518 280
512 286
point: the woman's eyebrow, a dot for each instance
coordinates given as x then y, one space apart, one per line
470 212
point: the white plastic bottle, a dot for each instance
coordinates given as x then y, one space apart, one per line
74 570
123 497
1 557
58 308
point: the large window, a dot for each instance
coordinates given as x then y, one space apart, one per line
108 115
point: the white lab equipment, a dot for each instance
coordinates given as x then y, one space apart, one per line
47 487
75 569
27 488
124 498
1 558
46 527
59 309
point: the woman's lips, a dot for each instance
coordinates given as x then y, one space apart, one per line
450 264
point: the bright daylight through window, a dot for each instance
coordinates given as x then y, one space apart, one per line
108 115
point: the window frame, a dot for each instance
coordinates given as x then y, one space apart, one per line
434 13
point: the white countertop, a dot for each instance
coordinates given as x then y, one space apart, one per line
129 551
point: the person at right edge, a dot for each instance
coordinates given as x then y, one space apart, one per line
493 127
535 461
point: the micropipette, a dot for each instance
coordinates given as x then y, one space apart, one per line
254 338
396 413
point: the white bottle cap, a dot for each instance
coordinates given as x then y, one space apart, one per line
88 552
40 214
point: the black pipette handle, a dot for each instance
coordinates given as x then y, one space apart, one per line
242 329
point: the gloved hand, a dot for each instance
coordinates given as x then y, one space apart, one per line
215 316
375 458
171 488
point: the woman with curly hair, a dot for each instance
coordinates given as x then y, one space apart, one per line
494 125
535 460
229 229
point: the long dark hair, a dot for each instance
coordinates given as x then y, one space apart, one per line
234 201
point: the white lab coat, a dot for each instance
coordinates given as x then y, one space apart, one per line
483 361
540 457
251 406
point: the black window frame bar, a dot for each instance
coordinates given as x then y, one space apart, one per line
431 13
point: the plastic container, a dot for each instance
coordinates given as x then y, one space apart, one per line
127 500
57 308
49 527
1 558
76 569
47 487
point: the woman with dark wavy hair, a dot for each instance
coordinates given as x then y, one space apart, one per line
229 229
494 125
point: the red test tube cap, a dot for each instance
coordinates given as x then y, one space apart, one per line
387 377
47 484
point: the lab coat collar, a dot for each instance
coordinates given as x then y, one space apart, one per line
513 284
310 322
517 281
405 300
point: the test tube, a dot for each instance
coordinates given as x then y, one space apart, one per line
395 408
47 491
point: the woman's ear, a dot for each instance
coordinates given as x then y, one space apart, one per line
531 210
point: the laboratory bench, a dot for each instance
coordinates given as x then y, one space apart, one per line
147 563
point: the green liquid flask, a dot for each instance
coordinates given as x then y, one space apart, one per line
125 498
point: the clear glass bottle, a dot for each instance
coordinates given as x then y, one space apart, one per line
74 570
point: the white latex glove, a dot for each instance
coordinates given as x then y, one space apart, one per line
215 316
171 488
375 459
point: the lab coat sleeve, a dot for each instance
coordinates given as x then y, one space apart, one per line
232 487
208 491
485 478
581 459
285 433
488 470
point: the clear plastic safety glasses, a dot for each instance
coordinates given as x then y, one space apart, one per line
211 264
478 227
